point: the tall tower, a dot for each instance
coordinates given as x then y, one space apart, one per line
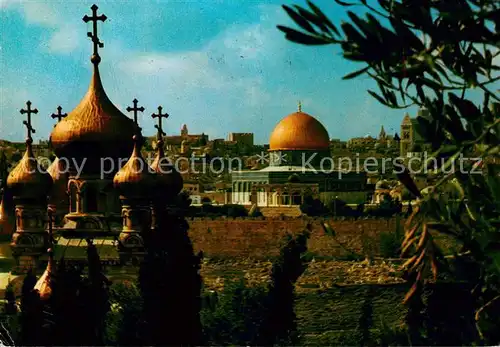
184 130
95 138
30 187
135 183
58 196
169 182
382 136
406 141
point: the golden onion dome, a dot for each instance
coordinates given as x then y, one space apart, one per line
27 179
299 131
169 180
59 192
135 179
45 282
95 129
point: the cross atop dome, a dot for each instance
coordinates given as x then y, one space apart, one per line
158 126
95 59
59 115
135 109
300 106
27 123
95 128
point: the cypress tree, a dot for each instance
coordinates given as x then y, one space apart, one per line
170 284
280 327
10 307
31 318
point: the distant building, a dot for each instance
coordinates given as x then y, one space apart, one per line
176 140
337 144
412 143
289 179
242 138
367 142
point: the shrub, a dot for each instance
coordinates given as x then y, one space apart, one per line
390 245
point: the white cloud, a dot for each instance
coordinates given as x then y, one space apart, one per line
65 37
40 13
65 40
6 3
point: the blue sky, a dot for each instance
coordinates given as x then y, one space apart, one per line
218 66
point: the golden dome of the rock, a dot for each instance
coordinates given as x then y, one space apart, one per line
27 180
135 179
94 129
299 131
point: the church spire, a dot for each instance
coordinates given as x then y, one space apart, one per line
96 128
382 134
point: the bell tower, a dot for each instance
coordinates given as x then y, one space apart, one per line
30 187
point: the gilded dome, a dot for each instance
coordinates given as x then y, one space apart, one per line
95 129
135 179
169 180
58 194
44 283
299 131
27 180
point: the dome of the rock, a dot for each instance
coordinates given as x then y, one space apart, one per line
299 131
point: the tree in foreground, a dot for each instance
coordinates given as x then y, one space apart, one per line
246 314
442 56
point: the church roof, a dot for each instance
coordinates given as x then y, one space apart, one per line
57 171
26 179
96 128
169 180
135 178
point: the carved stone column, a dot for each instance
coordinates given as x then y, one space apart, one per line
30 240
137 219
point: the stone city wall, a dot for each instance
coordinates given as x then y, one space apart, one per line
262 238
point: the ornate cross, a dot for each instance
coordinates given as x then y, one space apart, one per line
29 111
59 115
93 35
135 109
160 116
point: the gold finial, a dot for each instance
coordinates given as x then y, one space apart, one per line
300 106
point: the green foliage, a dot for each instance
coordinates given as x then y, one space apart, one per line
122 321
260 316
390 242
390 245
431 54
313 207
235 316
170 284
10 306
388 207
